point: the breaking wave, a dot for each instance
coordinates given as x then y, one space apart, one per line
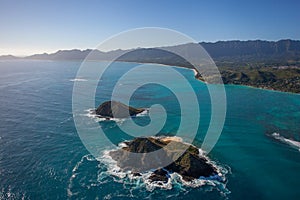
92 114
174 179
103 171
290 142
77 80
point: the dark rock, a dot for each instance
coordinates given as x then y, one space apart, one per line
136 174
190 164
114 109
144 162
159 175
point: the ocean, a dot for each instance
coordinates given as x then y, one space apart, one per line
42 155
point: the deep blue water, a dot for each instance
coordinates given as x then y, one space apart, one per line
42 156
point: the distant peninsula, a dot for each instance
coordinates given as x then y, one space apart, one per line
263 64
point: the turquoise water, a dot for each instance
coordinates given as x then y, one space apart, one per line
42 156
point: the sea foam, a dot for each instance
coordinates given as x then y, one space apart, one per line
78 80
218 180
92 114
291 142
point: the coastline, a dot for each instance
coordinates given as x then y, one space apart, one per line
260 88
230 84
165 65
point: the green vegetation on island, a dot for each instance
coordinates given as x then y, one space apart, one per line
182 158
286 79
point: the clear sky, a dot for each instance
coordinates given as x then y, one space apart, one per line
39 26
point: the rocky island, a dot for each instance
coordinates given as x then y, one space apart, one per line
190 165
114 109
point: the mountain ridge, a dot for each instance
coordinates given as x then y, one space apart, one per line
225 53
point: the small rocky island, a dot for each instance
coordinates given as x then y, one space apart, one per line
190 165
115 109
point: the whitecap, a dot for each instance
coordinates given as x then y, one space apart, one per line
291 142
144 113
78 80
87 157
122 144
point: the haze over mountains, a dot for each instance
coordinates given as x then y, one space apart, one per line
225 53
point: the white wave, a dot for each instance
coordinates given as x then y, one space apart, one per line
78 79
144 113
173 178
195 72
111 172
88 157
290 142
92 114
127 176
122 144
221 171
150 186
112 167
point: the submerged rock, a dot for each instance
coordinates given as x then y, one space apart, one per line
114 109
190 165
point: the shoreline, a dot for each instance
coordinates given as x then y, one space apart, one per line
165 65
173 177
260 88
230 84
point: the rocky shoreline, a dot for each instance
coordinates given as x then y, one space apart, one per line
190 165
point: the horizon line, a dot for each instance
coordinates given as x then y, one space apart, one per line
85 49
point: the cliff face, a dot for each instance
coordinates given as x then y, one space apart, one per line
114 109
190 165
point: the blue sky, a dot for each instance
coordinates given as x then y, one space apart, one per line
29 27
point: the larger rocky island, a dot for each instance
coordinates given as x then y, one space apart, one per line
190 165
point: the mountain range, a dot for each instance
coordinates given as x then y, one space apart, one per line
254 53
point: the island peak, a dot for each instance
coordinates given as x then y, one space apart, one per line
115 109
190 164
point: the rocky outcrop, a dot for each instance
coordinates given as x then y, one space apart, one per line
190 165
114 109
